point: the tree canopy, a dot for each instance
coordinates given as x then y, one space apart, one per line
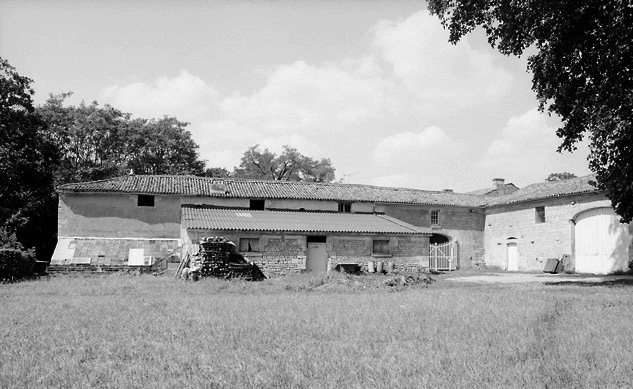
582 71
97 142
290 165
27 161
560 176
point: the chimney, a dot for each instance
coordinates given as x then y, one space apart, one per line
497 183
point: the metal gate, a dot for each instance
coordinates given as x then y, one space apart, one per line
443 256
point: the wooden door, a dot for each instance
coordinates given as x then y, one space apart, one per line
601 242
513 257
316 257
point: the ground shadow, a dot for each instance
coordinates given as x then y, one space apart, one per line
619 282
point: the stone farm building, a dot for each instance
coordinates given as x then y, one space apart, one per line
287 226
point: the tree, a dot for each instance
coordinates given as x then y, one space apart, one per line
218 172
92 140
27 161
98 142
581 71
164 146
560 176
290 165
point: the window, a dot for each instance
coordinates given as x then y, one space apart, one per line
539 215
248 245
145 201
345 207
381 246
435 217
257 205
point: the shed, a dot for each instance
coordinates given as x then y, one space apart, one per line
281 242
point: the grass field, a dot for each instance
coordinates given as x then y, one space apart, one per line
311 332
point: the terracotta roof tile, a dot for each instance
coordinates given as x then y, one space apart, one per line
547 189
234 219
216 187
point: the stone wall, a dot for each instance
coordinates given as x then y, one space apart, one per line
536 242
462 225
281 254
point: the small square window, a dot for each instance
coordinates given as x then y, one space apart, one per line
257 205
248 245
145 201
345 207
539 214
381 246
435 217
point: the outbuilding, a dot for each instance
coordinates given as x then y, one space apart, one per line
282 242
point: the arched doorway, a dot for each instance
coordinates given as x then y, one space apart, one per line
439 239
442 252
601 242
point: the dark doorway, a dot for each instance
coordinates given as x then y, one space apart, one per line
439 239
316 239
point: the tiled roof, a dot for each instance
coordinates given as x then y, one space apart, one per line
547 189
493 191
217 187
233 219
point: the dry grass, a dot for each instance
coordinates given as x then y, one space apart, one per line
311 332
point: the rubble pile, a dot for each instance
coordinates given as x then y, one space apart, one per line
218 257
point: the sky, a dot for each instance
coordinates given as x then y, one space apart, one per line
372 85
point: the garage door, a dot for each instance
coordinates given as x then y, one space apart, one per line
601 242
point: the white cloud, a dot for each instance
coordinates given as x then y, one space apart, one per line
184 96
438 73
410 74
526 148
300 97
223 158
408 148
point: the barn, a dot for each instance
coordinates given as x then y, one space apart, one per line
138 220
567 219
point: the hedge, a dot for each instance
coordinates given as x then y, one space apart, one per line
15 264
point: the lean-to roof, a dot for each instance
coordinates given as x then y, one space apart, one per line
202 218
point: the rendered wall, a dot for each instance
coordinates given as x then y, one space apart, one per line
117 216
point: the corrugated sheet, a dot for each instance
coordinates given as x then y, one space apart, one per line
214 187
547 189
201 218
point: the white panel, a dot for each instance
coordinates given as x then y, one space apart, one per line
588 237
616 243
602 242
513 257
136 258
63 253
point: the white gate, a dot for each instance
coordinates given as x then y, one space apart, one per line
443 256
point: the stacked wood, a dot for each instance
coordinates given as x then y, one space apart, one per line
219 258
